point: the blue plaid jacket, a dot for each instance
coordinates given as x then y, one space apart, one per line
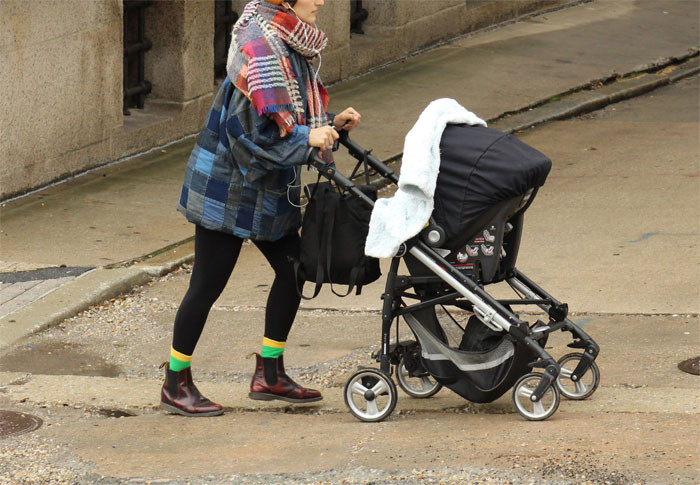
242 175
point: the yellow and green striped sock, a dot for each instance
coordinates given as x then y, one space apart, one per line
271 349
179 361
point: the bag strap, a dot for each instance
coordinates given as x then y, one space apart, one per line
300 290
314 188
325 217
330 211
365 156
354 273
321 233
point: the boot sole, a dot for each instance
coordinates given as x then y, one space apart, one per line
173 409
261 396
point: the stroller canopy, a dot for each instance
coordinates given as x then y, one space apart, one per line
480 168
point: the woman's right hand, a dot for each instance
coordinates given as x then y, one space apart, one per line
322 137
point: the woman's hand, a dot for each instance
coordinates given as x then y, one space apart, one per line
322 137
347 120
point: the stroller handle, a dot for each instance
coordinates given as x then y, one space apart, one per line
356 151
433 234
359 153
331 173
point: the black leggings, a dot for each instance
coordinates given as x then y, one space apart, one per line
215 255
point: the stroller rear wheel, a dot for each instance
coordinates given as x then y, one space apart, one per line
534 411
370 395
583 387
417 383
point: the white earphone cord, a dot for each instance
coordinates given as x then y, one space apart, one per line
291 185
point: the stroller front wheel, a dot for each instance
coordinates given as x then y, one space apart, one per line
539 410
582 388
370 395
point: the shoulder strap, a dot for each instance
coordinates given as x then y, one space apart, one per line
354 272
322 229
353 278
300 290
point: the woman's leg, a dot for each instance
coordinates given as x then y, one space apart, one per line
270 381
215 255
283 299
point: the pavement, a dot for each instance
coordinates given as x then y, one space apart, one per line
126 211
120 220
614 233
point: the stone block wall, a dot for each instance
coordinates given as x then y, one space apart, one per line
61 71
396 28
179 64
60 88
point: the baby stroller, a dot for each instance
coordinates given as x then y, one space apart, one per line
486 182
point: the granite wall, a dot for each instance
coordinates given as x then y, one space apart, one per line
61 71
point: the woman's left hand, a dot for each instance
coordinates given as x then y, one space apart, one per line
347 120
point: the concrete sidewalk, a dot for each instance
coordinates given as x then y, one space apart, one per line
121 219
614 232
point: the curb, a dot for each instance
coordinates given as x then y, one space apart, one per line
68 300
88 289
104 283
587 99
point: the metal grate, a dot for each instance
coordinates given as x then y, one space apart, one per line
135 47
224 18
357 16
12 422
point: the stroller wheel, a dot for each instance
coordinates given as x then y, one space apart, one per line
534 411
420 386
370 395
583 387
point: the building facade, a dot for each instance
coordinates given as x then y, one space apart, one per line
84 83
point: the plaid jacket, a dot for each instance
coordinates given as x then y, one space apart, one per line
242 175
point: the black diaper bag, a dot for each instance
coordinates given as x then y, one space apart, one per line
333 235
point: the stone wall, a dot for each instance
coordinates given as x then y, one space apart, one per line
396 28
61 71
60 88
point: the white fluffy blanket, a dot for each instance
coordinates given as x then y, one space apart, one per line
399 218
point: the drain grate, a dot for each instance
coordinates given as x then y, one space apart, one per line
691 366
12 423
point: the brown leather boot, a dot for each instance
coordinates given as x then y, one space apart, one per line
270 381
180 395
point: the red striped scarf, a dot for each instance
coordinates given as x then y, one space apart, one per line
258 65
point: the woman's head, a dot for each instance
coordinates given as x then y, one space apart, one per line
306 10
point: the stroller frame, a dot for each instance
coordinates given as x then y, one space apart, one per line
495 314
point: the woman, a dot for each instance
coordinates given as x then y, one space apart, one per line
242 181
